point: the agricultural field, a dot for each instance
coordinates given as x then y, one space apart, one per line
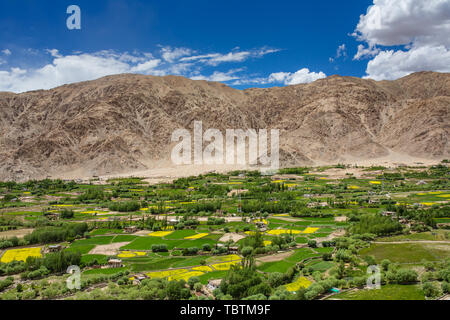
303 233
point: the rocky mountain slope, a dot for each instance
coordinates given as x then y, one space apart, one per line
124 123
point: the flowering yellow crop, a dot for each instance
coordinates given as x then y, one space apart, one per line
428 203
301 282
278 181
310 230
261 220
166 273
185 276
277 232
444 196
160 233
267 243
20 254
225 266
126 255
131 254
203 269
281 215
90 212
353 187
375 182
436 192
196 236
62 205
227 258
168 228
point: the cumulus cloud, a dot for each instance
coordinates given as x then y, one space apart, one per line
70 69
301 76
80 66
390 65
400 22
421 27
6 52
364 52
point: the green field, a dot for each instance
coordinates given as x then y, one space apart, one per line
387 292
407 252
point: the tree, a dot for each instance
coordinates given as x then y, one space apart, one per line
312 243
430 289
385 264
246 251
193 281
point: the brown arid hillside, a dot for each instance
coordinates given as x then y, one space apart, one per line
123 124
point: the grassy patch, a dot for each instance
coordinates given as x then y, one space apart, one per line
107 271
388 292
407 252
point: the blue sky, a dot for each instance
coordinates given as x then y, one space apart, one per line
242 43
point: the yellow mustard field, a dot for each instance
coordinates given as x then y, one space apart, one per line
166 273
131 254
160 233
267 243
225 266
196 236
185 276
203 269
20 254
310 230
277 232
301 282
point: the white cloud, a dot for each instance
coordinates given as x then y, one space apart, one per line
390 65
400 22
301 76
215 59
6 52
421 27
171 55
54 53
219 76
146 67
70 69
364 52
80 66
341 51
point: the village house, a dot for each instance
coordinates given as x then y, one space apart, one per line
138 278
130 229
52 215
233 249
213 284
114 263
54 248
173 221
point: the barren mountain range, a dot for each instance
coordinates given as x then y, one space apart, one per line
124 123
